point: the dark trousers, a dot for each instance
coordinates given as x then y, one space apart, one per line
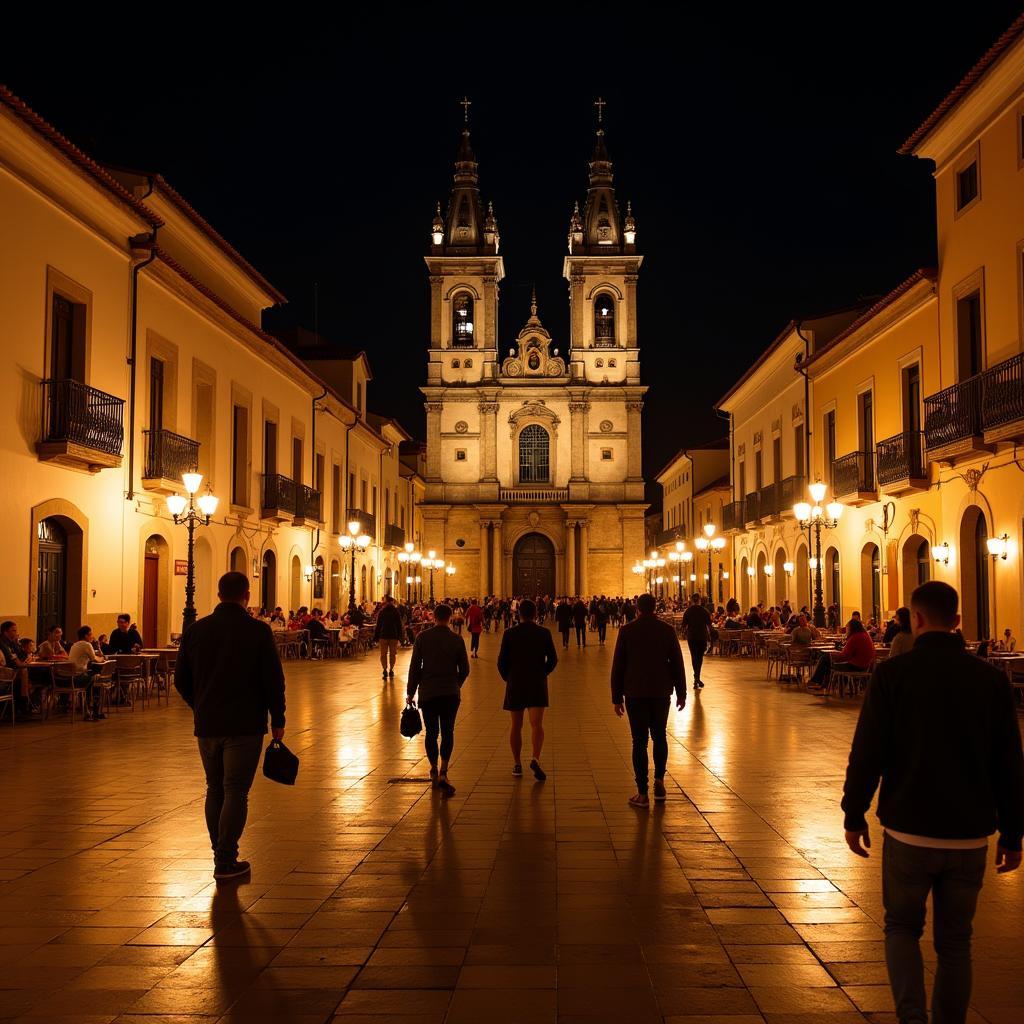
602 630
648 718
474 642
954 879
564 630
698 648
439 718
581 635
230 763
825 666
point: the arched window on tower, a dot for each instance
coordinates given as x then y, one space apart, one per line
534 455
604 321
462 321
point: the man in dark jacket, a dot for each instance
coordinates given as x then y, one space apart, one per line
526 659
697 623
563 620
230 675
579 620
939 729
387 632
646 667
438 669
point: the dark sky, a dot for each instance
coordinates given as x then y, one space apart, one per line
758 151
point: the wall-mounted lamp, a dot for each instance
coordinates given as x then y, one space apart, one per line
940 552
769 569
308 573
812 563
255 568
788 568
751 571
999 547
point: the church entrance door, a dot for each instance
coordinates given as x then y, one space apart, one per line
533 566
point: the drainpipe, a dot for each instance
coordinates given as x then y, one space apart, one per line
732 477
314 533
140 241
802 370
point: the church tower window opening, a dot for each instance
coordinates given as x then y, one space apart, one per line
604 321
534 455
462 321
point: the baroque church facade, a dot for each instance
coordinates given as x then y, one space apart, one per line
533 474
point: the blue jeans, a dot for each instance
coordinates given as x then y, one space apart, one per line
230 763
954 879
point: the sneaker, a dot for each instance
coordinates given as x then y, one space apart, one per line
446 788
384 676
391 674
698 685
235 870
659 790
640 800
433 778
538 773
517 770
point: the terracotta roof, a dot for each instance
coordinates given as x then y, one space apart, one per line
222 243
924 274
247 324
100 175
994 52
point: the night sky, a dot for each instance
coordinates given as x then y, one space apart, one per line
758 151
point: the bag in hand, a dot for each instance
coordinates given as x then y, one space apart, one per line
411 722
280 764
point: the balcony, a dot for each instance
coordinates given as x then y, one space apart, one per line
768 503
953 422
791 490
752 509
367 522
1002 401
308 507
853 478
394 536
278 498
82 428
733 517
168 455
901 463
669 536
531 495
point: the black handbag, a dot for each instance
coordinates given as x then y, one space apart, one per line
412 724
280 764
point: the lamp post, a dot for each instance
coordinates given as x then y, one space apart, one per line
709 543
405 558
431 562
679 558
828 518
351 542
638 571
723 575
184 511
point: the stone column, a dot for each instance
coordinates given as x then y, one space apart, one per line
489 440
436 309
570 557
434 440
584 557
578 408
633 454
485 554
497 559
631 337
576 310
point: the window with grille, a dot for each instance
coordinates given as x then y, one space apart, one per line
534 453
462 321
604 320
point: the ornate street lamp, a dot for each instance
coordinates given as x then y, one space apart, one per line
709 543
184 511
449 572
432 563
680 557
405 558
353 541
808 515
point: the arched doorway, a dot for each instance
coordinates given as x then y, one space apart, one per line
335 585
832 581
803 580
318 578
204 577
744 585
268 581
155 592
237 561
974 574
296 591
917 564
762 580
53 578
870 582
781 579
533 566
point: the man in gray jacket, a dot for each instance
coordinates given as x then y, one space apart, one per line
438 669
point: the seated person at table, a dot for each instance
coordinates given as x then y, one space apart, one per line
295 620
754 619
802 632
277 620
316 627
14 658
903 638
28 648
126 639
856 656
1008 644
356 616
83 656
52 648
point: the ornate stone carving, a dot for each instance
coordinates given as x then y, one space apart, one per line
607 426
915 518
798 411
777 425
635 406
532 410
461 427
536 357
579 406
534 519
973 476
758 436
433 406
488 407
741 450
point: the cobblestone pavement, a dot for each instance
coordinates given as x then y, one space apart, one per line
736 902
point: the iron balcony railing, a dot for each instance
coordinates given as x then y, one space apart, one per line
279 492
76 413
307 503
1003 393
953 414
752 506
901 457
394 536
733 516
367 522
791 490
168 455
533 494
767 501
853 473
669 536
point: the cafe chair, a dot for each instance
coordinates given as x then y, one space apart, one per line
165 675
65 684
130 681
103 683
7 691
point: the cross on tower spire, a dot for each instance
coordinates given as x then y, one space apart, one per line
465 103
600 104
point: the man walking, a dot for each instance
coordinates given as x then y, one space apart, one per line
579 620
230 675
388 634
526 659
646 667
697 623
475 625
939 729
563 620
438 669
